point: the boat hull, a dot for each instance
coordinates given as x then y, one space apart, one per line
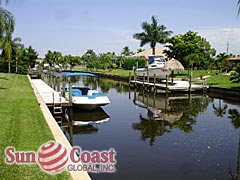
90 104
158 71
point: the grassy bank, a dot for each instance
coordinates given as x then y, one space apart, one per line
212 80
22 126
120 72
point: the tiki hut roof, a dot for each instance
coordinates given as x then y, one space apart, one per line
173 65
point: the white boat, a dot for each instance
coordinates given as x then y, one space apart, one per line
86 98
155 66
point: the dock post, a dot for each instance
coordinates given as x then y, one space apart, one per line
166 84
63 87
70 92
147 75
129 78
58 84
190 82
135 80
154 83
143 80
54 82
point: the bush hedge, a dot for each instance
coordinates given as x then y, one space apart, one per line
129 63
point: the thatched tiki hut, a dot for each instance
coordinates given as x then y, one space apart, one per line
173 65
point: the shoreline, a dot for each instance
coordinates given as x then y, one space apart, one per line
233 93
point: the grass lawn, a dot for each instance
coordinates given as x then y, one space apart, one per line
22 126
222 81
120 72
213 80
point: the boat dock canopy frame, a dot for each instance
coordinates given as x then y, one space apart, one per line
72 74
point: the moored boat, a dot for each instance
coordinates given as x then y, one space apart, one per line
155 66
84 97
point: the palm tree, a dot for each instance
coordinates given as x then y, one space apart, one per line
153 34
16 45
7 24
220 110
126 51
222 62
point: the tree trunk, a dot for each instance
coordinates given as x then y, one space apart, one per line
9 67
16 68
153 52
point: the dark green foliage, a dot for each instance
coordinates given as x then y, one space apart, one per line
152 33
191 50
235 78
23 59
129 63
102 61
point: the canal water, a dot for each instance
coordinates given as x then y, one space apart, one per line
156 137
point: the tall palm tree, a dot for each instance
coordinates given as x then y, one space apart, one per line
126 51
7 24
16 45
153 34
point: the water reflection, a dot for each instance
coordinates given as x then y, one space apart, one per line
232 175
234 116
77 121
107 84
220 110
167 113
197 135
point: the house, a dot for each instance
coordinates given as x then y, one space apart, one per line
148 52
234 61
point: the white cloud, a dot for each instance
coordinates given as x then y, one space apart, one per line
219 37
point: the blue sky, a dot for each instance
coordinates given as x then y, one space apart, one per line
73 26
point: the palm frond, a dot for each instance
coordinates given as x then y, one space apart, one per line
7 21
153 33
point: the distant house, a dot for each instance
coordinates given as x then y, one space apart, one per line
148 52
234 61
39 60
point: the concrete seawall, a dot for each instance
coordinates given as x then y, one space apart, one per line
57 132
224 93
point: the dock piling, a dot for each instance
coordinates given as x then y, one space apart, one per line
129 78
166 84
154 83
143 80
147 75
190 82
70 92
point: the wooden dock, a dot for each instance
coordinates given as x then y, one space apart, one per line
177 86
50 97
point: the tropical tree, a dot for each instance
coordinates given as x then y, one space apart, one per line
140 50
126 51
16 45
26 58
7 24
190 49
152 33
53 58
222 62
235 77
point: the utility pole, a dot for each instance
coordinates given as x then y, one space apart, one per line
227 47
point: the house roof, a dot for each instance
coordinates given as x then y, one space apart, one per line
234 58
148 52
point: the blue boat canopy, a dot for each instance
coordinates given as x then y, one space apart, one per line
71 74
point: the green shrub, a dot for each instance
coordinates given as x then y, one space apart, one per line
129 63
